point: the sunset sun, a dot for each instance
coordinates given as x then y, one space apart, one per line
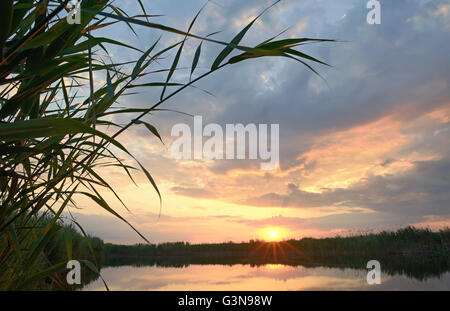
273 234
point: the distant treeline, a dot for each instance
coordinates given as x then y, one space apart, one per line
418 253
405 241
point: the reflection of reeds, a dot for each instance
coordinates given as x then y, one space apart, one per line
54 138
418 253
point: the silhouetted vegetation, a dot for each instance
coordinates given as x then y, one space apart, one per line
418 253
64 244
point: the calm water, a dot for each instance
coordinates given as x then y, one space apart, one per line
257 278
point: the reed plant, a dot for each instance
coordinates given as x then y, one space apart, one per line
55 120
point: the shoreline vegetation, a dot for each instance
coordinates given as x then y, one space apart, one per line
418 253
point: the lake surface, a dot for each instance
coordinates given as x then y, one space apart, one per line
270 277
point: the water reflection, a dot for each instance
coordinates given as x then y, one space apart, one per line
272 276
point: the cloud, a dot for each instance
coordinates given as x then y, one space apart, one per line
348 222
193 192
423 190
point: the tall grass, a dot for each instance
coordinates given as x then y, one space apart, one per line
54 142
68 238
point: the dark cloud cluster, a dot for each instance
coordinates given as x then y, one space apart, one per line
423 190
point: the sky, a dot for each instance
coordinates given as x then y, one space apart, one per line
363 149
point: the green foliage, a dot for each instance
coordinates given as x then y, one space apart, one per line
42 257
55 125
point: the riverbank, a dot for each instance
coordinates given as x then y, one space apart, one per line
416 252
